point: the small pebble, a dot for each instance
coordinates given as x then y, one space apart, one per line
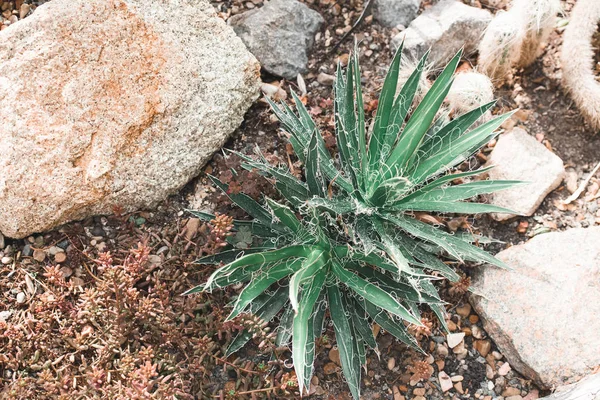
39 255
464 310
457 378
325 79
476 332
60 257
6 260
504 369
21 298
445 381
391 363
419 392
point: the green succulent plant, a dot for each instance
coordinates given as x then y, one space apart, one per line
345 239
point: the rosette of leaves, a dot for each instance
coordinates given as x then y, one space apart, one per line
345 238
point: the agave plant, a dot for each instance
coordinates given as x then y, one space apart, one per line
347 240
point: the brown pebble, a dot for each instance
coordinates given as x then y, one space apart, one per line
391 363
473 319
60 257
511 391
464 310
39 255
419 392
458 387
397 395
483 347
330 368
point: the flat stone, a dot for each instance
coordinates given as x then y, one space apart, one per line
280 34
531 312
454 339
519 156
392 13
122 113
445 381
445 28
586 389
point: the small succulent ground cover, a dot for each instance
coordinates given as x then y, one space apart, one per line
343 242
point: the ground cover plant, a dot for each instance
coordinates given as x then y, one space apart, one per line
346 240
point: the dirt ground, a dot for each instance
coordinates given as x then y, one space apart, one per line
86 325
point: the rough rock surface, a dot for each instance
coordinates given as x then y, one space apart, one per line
519 156
116 103
543 315
445 28
392 13
280 34
586 389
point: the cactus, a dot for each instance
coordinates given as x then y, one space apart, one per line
470 90
500 47
514 37
539 16
578 60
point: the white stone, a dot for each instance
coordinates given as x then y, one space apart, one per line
454 339
445 28
113 103
543 315
519 156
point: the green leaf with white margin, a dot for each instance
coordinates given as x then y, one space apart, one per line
339 206
288 218
302 347
256 227
230 255
456 247
428 260
345 338
459 151
402 290
441 181
314 178
452 131
248 204
361 133
272 303
263 258
262 282
361 323
402 105
459 207
373 294
284 332
388 324
313 263
465 191
418 125
391 248
384 111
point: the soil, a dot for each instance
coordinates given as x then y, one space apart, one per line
189 335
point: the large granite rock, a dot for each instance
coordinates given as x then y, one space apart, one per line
586 389
392 13
544 315
280 34
519 156
113 103
445 28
